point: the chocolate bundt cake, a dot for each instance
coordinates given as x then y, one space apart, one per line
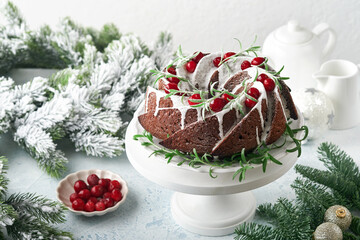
217 104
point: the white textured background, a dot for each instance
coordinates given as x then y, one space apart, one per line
206 25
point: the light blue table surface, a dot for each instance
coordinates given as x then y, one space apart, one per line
146 213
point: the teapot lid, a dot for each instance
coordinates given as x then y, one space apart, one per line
293 33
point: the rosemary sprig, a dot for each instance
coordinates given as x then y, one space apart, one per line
192 159
160 74
260 155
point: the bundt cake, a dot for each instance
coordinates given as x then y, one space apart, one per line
217 104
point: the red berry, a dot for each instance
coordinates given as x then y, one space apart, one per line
194 96
89 206
173 80
84 194
73 196
228 54
254 92
227 97
198 57
245 64
262 77
269 84
107 195
114 184
92 179
79 185
218 104
116 195
257 61
217 61
100 206
93 199
104 182
109 202
97 191
170 86
250 103
78 204
171 70
190 66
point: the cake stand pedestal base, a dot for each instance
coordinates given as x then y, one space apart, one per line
212 215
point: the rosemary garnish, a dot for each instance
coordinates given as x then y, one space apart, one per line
260 155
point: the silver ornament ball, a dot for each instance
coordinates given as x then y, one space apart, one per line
339 215
317 109
328 231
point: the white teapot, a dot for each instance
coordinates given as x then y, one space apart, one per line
300 51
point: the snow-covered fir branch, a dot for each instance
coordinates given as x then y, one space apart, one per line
102 85
45 47
27 215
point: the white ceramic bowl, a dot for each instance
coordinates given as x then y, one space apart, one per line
66 188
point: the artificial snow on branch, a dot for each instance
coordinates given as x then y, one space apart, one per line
90 101
28 216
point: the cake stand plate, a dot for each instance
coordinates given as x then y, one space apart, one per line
201 204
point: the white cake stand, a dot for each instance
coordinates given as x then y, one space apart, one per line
201 204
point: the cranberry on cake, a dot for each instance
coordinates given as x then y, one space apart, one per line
218 103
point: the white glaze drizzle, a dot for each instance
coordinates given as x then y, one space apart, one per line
202 75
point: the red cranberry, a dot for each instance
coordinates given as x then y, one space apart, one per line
198 57
217 61
73 196
262 77
109 202
89 206
116 195
269 84
78 204
107 195
228 54
254 92
79 185
190 66
245 64
93 199
92 179
100 206
104 182
250 103
97 191
84 194
170 86
173 80
114 184
171 70
257 61
194 96
227 97
218 104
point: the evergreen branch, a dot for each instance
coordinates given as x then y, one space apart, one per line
54 165
3 179
314 200
98 144
283 215
29 227
253 231
336 182
355 225
7 215
338 162
40 207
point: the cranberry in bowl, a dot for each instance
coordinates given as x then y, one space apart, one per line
92 192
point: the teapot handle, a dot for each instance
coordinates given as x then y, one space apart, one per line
322 28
